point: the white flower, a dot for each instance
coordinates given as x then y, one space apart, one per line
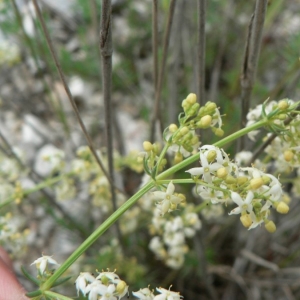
42 263
206 169
213 195
243 205
94 289
144 294
243 158
82 280
167 295
167 199
107 292
111 277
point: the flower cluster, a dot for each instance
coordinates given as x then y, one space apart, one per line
183 140
11 236
107 285
254 191
169 241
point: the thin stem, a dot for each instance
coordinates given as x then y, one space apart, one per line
253 45
57 296
38 187
155 43
220 143
201 51
157 104
106 54
70 97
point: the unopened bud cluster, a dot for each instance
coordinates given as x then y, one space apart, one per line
183 139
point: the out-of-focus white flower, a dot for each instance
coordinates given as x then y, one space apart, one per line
144 294
243 158
167 295
94 289
82 281
42 263
49 159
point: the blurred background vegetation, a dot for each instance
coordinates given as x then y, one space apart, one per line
30 87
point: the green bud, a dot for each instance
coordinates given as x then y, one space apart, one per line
173 128
184 130
211 156
270 226
178 158
246 220
147 146
283 105
191 98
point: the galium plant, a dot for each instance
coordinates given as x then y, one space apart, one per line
248 191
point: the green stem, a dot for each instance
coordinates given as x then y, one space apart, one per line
161 156
95 235
147 187
56 296
220 143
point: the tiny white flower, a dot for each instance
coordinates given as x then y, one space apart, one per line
82 280
243 205
42 263
144 294
206 169
94 289
112 277
167 198
167 295
107 292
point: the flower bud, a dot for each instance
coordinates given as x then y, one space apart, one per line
210 106
246 220
222 172
211 155
191 98
241 180
256 183
173 128
193 110
282 117
266 179
178 158
184 130
188 148
288 155
121 287
219 132
194 140
147 146
156 148
163 162
230 179
283 105
205 121
182 196
282 208
270 226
